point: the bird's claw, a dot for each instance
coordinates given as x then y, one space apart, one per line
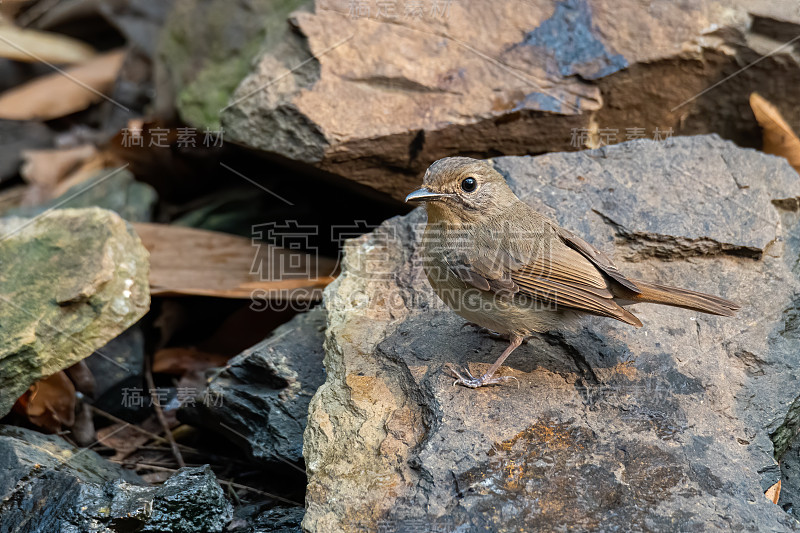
468 380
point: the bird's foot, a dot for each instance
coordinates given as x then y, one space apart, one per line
468 380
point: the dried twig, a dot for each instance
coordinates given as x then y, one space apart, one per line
148 374
157 438
232 484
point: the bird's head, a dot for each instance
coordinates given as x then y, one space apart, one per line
463 189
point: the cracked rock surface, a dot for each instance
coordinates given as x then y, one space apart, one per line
675 426
374 93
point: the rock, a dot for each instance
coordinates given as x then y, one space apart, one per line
117 361
110 188
391 90
71 281
790 476
273 520
206 49
191 500
674 426
51 486
263 393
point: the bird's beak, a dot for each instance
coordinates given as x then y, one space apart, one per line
423 195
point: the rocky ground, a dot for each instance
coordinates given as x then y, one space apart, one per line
160 370
675 426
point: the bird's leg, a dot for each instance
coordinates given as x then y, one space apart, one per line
487 379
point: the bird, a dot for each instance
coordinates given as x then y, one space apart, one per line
503 266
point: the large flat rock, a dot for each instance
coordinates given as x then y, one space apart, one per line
376 91
71 280
672 427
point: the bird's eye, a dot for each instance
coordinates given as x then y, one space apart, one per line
469 184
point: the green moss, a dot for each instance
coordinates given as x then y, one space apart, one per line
207 52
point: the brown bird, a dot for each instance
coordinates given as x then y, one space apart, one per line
503 266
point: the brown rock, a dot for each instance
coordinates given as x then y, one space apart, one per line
387 94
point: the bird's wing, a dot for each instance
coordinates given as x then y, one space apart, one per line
598 258
550 277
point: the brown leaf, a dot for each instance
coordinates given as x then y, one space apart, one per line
773 493
76 88
44 169
34 46
188 261
125 439
50 403
779 139
179 361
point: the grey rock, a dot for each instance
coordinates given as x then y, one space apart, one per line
71 280
273 520
50 486
672 427
375 95
120 359
43 480
264 392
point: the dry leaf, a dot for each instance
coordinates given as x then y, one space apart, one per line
9 9
44 169
773 493
49 403
188 261
779 139
125 439
60 94
34 46
180 361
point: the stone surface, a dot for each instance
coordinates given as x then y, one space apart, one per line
71 281
273 520
47 485
205 50
393 89
264 392
671 427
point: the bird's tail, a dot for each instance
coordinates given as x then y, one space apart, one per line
696 301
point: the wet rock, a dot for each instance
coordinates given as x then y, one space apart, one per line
674 426
260 399
71 281
273 520
391 88
190 500
50 486
43 479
